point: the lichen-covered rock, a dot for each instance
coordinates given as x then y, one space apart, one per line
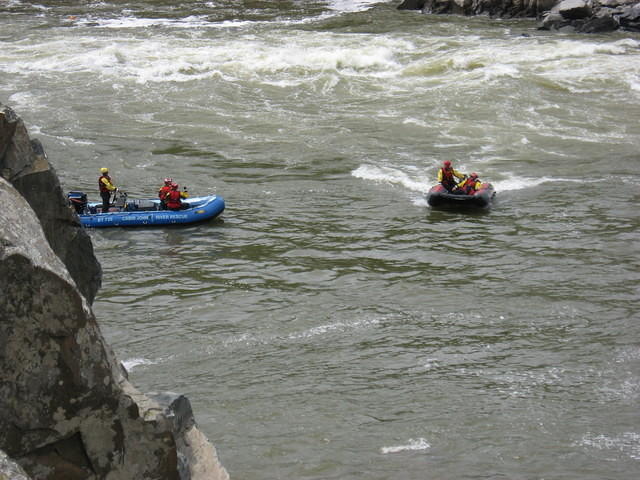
10 470
67 409
197 459
24 163
64 405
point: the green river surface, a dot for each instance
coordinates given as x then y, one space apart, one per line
330 324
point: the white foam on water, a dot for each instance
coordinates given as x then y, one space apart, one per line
627 443
306 54
166 58
249 339
136 22
420 201
135 362
332 327
292 58
299 56
351 5
23 100
37 130
568 64
544 53
634 83
415 121
421 184
35 5
501 70
392 176
517 183
520 183
630 354
413 445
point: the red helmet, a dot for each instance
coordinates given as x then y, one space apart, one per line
174 185
168 181
447 163
474 175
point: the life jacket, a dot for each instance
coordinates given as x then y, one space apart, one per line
162 193
447 178
469 186
101 185
447 174
172 200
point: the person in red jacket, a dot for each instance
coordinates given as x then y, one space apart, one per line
446 176
174 198
162 193
106 188
470 185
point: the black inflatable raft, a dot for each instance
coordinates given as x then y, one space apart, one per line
438 196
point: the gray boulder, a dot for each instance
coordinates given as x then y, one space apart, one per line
629 17
411 5
67 409
10 470
573 9
24 163
593 17
494 8
587 16
603 21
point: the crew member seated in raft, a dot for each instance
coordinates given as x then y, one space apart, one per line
469 185
162 193
106 187
174 198
446 176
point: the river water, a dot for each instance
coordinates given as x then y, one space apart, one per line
330 325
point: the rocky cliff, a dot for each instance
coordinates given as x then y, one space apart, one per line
587 16
24 164
67 409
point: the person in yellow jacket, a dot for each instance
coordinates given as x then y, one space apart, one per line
106 187
470 185
446 176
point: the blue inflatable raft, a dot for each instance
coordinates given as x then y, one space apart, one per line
140 213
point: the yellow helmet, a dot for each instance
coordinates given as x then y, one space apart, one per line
104 170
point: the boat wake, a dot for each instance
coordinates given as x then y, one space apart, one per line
416 180
419 444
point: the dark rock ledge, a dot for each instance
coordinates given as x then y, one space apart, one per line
67 409
587 16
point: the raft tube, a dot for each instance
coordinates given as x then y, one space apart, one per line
135 213
438 196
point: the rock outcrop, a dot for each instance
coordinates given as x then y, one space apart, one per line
10 470
587 16
67 409
24 164
494 8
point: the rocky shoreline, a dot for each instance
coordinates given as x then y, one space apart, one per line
67 408
584 16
